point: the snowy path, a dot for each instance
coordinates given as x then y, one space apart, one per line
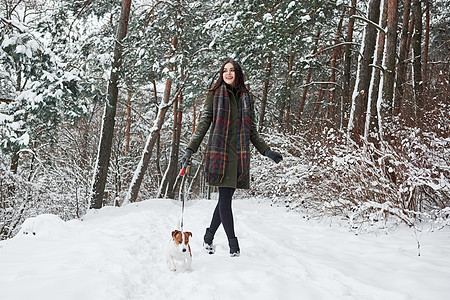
118 253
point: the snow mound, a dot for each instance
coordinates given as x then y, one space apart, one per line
44 225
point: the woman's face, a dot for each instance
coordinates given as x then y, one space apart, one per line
228 74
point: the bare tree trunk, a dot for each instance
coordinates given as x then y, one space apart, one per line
167 186
147 153
285 108
417 61
426 44
158 140
319 101
359 99
155 95
104 153
391 54
14 162
287 118
262 112
410 34
347 65
332 104
402 64
372 121
194 118
408 93
128 128
308 80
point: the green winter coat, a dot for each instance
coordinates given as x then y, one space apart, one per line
230 178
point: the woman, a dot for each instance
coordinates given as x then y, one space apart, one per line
228 109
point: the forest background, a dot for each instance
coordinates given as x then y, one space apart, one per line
98 99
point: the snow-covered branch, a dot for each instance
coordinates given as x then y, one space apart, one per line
369 22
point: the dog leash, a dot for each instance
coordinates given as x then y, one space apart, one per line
182 210
183 172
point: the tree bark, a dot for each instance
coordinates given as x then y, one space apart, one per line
128 128
167 186
332 104
372 121
308 80
359 99
104 153
286 104
391 54
417 61
158 139
402 63
410 34
426 44
262 112
14 162
347 65
319 100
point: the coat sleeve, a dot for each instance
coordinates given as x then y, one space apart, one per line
255 138
203 124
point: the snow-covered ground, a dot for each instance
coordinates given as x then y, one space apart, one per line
119 253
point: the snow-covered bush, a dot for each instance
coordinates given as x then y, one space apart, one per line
15 204
327 174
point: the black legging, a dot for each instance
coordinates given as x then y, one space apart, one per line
223 213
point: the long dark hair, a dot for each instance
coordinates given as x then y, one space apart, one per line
238 77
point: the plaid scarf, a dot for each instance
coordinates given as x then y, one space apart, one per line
218 144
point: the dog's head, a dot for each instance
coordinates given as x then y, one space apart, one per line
181 239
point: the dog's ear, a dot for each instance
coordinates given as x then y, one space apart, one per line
174 233
189 233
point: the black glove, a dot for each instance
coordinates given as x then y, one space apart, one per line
184 162
275 156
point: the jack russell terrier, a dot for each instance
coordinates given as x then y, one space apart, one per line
179 249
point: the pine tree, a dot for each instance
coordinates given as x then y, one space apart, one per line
43 90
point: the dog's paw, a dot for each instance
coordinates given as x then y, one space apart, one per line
173 270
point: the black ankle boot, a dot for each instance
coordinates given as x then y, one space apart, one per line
234 247
208 241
